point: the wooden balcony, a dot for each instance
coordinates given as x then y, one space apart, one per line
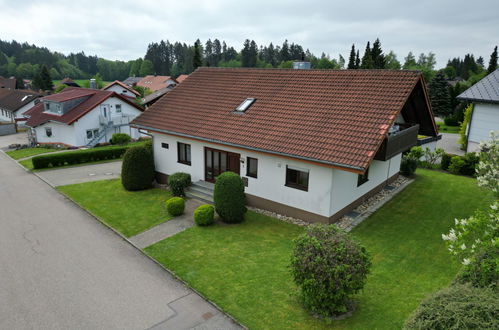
398 142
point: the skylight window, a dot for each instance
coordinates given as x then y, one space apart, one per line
245 104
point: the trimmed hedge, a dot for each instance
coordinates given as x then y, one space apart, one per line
445 162
178 182
77 157
408 165
457 307
175 206
137 170
229 197
204 215
120 138
464 165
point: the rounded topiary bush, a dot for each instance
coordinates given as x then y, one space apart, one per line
408 165
178 182
137 170
328 266
175 206
204 215
457 307
229 197
483 269
120 138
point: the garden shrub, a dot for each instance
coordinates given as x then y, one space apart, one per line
204 215
416 152
464 125
120 138
445 161
451 121
457 307
175 206
431 157
77 157
408 165
482 270
178 182
471 160
137 171
229 197
488 167
328 266
456 164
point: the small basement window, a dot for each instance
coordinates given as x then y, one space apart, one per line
297 178
363 178
164 145
245 104
48 131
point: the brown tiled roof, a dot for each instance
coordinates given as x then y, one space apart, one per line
9 83
116 82
37 116
336 117
181 78
14 99
154 83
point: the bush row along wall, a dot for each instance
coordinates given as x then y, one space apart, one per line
77 157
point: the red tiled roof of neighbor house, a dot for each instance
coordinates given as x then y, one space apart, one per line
154 83
14 99
334 117
37 116
181 78
116 82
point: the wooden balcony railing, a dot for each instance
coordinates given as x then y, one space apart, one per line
398 142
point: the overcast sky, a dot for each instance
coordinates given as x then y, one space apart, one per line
123 29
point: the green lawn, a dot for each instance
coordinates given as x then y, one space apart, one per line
243 268
81 82
128 212
447 129
22 153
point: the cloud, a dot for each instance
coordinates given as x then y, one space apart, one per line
122 30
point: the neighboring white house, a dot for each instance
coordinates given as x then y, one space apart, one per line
311 144
485 114
14 103
81 117
120 88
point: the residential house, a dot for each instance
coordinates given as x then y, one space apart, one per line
15 102
8 83
484 95
311 144
81 117
155 83
150 99
132 81
121 88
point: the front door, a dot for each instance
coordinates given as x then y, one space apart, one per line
219 161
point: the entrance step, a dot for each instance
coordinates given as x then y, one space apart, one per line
201 190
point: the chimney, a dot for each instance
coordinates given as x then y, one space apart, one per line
93 84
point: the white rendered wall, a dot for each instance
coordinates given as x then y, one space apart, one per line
271 174
5 115
61 133
344 186
20 112
485 119
120 90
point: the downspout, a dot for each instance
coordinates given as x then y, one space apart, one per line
469 126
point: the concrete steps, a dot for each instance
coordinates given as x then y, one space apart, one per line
201 190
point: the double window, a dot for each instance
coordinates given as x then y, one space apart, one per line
252 167
297 178
363 178
91 133
184 153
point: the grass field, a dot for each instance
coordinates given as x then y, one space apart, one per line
244 268
81 82
22 153
128 212
448 129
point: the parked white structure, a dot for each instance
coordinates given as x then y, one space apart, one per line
485 116
311 144
81 117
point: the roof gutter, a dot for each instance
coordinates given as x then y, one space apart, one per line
350 167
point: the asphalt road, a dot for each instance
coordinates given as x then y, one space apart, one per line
62 269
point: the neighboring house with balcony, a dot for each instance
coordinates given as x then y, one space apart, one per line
311 144
81 117
15 102
120 88
485 114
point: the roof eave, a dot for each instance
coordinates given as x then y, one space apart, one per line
350 168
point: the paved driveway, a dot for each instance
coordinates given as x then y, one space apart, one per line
18 138
84 173
450 143
62 269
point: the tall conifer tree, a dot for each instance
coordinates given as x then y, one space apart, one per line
493 61
197 60
351 59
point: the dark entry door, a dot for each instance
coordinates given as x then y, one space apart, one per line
219 161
